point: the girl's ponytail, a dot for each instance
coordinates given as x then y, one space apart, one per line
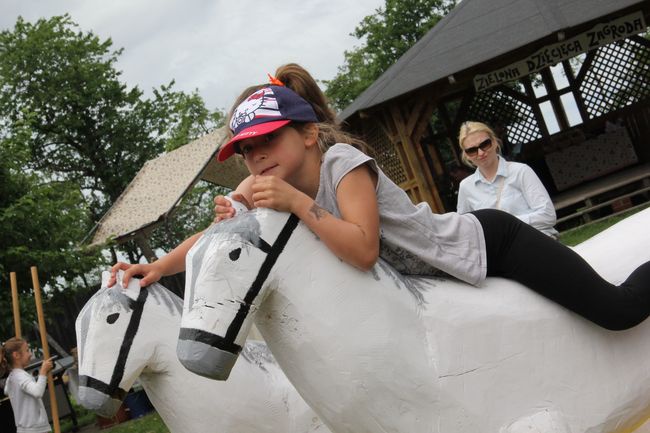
296 78
300 81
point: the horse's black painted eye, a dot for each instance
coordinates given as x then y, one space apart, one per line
234 254
111 318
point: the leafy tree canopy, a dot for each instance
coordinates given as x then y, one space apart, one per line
86 125
72 136
40 221
189 119
386 36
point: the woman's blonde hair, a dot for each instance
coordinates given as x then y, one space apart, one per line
470 127
9 347
296 78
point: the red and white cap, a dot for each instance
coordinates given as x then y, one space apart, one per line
265 111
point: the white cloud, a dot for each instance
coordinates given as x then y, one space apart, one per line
218 47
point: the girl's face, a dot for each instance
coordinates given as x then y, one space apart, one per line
280 153
22 357
480 149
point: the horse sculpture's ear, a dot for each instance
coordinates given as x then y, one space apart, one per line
132 291
105 277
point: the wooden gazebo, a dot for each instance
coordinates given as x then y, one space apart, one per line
564 84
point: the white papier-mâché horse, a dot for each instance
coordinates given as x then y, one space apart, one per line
377 352
127 334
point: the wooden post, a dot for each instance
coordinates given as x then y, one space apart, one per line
409 125
16 304
54 408
142 242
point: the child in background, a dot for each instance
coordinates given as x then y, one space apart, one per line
24 392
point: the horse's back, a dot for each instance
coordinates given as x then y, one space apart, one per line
506 349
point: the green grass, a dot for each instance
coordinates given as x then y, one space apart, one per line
582 233
84 417
150 423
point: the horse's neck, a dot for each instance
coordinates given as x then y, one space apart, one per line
189 403
327 329
159 328
314 288
173 390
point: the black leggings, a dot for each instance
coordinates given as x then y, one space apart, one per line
519 252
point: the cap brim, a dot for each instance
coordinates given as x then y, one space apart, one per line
228 149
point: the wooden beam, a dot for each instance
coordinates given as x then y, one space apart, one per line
143 243
575 90
556 103
589 58
414 117
423 116
536 110
15 301
449 128
412 158
54 408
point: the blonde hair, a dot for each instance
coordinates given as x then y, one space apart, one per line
298 79
470 127
9 347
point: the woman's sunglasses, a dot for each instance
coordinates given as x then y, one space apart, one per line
483 145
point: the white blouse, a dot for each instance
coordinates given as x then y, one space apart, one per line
516 189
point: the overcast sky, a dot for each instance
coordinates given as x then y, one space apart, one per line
216 46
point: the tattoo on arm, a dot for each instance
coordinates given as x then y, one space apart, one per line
317 211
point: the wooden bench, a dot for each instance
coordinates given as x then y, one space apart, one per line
601 193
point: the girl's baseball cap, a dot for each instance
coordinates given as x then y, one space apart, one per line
264 111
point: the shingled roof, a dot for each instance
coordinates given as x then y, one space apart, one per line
161 184
476 31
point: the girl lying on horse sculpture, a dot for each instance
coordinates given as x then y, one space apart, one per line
372 350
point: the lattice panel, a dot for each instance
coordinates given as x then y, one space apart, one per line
498 109
618 76
384 151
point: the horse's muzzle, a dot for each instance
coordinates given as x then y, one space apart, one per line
100 403
205 360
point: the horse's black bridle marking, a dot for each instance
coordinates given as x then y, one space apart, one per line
208 338
227 342
113 388
90 382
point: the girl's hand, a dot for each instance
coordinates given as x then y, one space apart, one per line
273 192
149 272
223 207
46 366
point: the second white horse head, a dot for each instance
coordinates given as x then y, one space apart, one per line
125 334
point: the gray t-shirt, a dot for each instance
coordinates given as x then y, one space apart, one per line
413 239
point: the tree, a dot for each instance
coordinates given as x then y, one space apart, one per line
87 126
386 36
190 119
73 136
40 220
